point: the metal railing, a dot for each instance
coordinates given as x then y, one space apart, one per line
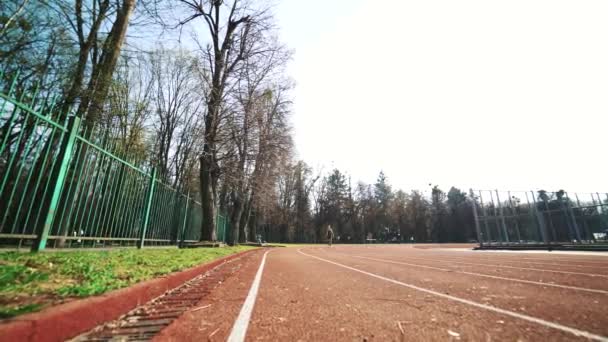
58 188
540 217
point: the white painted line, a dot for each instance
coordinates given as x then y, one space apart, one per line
487 275
587 262
545 252
512 267
563 264
539 262
538 321
239 329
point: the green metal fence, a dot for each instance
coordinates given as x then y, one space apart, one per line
61 186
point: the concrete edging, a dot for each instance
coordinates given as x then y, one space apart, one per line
69 320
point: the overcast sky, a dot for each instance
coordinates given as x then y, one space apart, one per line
483 94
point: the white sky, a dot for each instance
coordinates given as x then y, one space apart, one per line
483 94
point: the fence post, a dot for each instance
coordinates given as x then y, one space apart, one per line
148 207
224 224
182 235
485 218
577 232
515 217
58 177
218 227
502 218
477 228
541 220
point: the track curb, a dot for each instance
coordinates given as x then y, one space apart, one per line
69 320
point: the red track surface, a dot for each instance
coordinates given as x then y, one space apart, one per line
403 293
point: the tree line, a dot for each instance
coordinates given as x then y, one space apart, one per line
358 213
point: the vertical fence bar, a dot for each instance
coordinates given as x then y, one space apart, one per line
132 219
599 199
39 178
477 228
566 215
39 150
541 220
148 205
573 218
485 218
224 225
588 235
531 212
548 210
499 234
57 178
13 116
515 217
182 235
502 218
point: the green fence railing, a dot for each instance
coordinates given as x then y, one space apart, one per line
59 188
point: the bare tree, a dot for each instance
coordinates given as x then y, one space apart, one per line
230 26
252 93
129 102
176 108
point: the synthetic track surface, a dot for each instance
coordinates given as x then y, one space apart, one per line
404 293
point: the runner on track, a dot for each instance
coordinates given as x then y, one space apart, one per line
330 234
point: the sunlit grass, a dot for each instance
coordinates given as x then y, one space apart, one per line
29 282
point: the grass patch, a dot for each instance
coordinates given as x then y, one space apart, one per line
10 312
30 282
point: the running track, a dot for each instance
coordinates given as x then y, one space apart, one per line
404 293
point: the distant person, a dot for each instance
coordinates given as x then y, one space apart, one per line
330 234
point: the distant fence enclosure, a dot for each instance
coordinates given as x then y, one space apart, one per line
540 217
58 185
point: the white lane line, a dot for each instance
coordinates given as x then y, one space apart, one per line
539 321
486 275
239 329
453 259
543 253
506 260
510 258
547 258
512 267
578 262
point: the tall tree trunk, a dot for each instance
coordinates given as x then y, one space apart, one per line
237 236
208 195
108 61
244 227
251 223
